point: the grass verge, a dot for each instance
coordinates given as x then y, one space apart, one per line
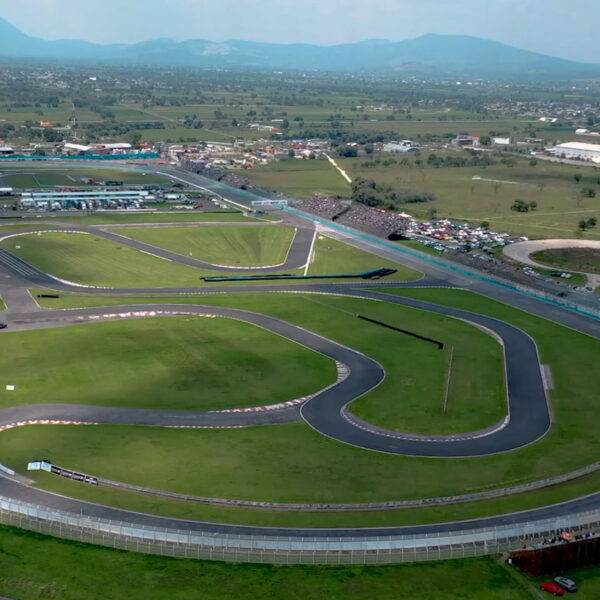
36 566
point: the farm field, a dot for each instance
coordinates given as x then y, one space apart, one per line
233 245
34 563
435 126
571 442
181 363
300 178
473 194
174 132
490 195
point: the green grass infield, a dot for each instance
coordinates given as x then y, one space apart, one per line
96 261
229 245
185 362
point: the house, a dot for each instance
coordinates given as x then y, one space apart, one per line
402 146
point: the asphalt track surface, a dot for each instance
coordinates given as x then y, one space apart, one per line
296 258
528 416
528 409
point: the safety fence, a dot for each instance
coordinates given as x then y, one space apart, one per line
202 543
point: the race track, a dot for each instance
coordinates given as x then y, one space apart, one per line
528 415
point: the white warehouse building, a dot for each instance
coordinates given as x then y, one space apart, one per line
578 150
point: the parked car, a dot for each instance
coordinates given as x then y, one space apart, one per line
566 584
552 587
3 325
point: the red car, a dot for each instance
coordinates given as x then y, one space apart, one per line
552 588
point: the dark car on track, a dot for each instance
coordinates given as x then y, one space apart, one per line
552 587
566 584
3 325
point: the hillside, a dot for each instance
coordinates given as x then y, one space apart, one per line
432 56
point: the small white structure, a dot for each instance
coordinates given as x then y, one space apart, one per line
77 148
403 146
501 141
114 146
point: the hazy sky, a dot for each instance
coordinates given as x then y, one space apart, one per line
566 28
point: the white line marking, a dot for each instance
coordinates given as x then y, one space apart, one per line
154 255
310 254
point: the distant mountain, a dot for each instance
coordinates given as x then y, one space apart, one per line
434 56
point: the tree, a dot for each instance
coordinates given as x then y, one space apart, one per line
587 223
485 140
520 206
291 153
285 124
587 192
134 137
348 152
577 177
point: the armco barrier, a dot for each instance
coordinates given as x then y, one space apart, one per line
288 550
442 263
